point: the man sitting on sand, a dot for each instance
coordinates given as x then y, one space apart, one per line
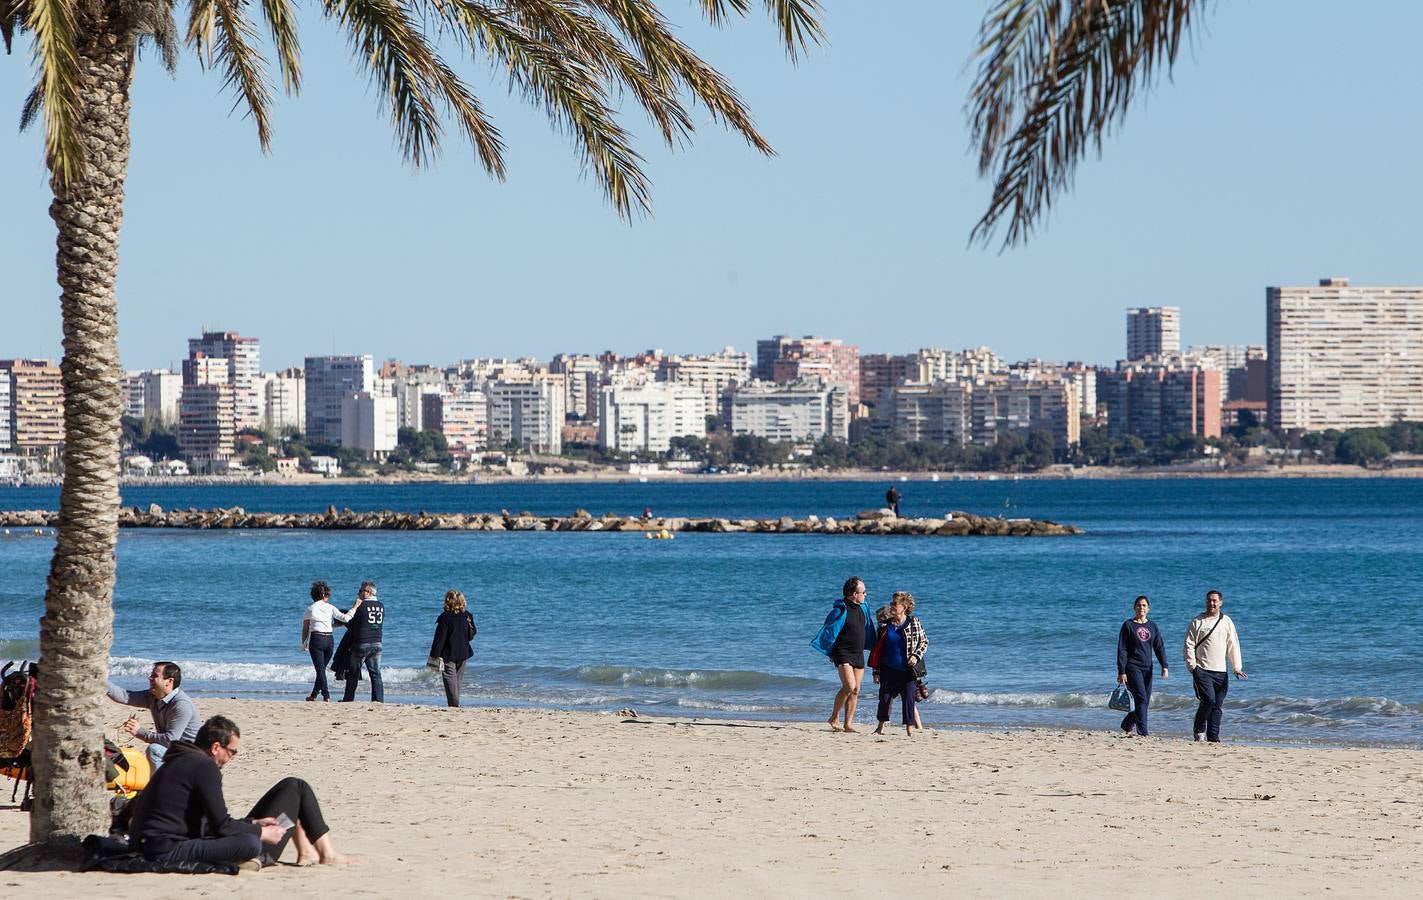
182 817
175 716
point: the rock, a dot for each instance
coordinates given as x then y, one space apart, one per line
581 513
155 510
866 515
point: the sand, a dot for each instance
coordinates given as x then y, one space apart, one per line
501 803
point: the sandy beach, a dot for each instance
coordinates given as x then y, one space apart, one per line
501 803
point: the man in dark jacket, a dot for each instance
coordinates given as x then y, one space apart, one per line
364 632
182 817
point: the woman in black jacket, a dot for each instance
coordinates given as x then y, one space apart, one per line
454 629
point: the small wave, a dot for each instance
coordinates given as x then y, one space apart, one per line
720 706
1042 701
704 679
238 672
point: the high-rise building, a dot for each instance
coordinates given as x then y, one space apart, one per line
242 361
152 395
369 423
713 374
648 416
980 411
206 431
284 400
528 414
35 423
461 415
1153 401
6 432
1153 331
881 373
329 380
768 350
1342 356
583 376
790 413
829 359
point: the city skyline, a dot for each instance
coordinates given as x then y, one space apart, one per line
853 231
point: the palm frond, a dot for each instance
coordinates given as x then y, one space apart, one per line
668 58
408 72
281 24
563 26
12 16
232 43
57 63
34 103
153 20
797 20
568 81
1073 68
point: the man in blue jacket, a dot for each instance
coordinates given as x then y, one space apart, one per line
847 631
365 630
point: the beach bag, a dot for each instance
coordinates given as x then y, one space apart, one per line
1121 700
877 651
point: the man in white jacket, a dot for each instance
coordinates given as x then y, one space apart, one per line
1211 640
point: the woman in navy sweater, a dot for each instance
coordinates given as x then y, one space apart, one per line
1138 639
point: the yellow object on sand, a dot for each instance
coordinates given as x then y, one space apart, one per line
135 777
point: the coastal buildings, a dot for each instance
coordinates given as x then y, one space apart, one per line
829 359
646 417
153 395
528 414
1155 400
206 417
369 423
804 411
881 373
712 374
1343 356
329 381
241 359
583 376
284 400
1153 331
33 404
461 415
981 411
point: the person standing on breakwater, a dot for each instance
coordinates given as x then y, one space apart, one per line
175 716
891 499
1211 640
454 629
366 631
843 638
316 636
1137 640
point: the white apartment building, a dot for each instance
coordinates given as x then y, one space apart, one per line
528 414
935 364
409 387
7 436
1153 331
369 423
329 381
978 412
584 379
1342 356
242 364
940 412
711 374
461 415
206 425
284 400
647 417
791 413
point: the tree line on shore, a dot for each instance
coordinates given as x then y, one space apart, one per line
722 450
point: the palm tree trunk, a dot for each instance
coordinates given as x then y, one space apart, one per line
77 628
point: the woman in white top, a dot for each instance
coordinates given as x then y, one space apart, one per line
316 634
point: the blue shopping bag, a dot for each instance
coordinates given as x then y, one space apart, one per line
1122 700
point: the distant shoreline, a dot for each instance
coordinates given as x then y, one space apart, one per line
1089 473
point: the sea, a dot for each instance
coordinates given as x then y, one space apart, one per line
1322 577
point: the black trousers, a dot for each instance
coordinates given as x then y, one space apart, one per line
1211 688
320 646
294 797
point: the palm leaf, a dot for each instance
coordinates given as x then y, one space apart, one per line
797 20
668 58
233 42
408 73
12 17
281 24
1073 68
567 82
57 63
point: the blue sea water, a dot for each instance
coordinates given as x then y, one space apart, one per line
1320 575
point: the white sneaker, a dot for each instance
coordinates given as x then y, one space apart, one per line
1200 736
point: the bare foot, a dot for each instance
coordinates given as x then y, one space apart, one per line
909 732
308 860
340 859
879 730
833 726
849 730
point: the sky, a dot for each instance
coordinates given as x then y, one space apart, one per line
1283 149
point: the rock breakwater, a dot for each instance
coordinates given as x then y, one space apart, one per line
870 522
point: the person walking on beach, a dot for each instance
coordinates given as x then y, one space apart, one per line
1137 640
316 636
175 716
366 631
843 638
891 499
454 629
1211 641
901 649
182 816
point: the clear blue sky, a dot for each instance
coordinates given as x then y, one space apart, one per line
1284 149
